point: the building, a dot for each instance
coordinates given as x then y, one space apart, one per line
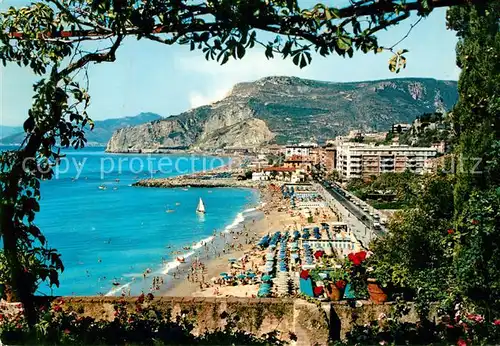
299 162
280 174
327 157
301 149
362 161
440 147
400 128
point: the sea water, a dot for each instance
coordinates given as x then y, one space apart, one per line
109 232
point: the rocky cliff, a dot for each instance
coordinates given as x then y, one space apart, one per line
280 109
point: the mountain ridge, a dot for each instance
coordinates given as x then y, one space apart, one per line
100 135
290 108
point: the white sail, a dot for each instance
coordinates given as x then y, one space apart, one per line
201 207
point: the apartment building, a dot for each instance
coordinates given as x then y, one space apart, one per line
362 161
301 149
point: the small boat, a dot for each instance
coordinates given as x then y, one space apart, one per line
115 188
201 207
102 187
177 203
181 259
184 189
169 211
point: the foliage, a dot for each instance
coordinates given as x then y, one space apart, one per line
477 250
355 266
142 325
48 38
444 249
397 188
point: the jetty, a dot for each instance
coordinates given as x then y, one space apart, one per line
208 180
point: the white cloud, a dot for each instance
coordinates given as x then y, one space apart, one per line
197 99
222 78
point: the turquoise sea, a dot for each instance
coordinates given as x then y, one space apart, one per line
112 235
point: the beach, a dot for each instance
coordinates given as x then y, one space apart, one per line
273 214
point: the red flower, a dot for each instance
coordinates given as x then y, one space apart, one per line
340 284
1 317
130 320
496 322
67 331
138 309
475 222
318 254
304 274
357 258
57 308
451 231
140 299
318 290
461 342
450 326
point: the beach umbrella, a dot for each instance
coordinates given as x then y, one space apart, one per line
266 278
223 274
241 276
232 260
251 275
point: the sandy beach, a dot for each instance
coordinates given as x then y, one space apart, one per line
201 276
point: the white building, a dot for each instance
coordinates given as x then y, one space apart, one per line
362 161
301 149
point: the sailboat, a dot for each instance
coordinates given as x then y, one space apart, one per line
201 207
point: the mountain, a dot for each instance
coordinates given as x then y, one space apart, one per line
283 109
6 131
100 135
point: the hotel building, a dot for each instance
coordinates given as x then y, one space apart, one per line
362 161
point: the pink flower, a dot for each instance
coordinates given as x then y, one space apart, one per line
461 342
475 317
496 322
67 331
475 222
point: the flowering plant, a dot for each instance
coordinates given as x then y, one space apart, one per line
339 277
318 291
340 284
304 274
355 267
357 258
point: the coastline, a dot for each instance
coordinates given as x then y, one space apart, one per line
266 219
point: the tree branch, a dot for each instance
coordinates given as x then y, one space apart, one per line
376 8
92 57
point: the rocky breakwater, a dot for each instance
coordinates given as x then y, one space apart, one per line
193 181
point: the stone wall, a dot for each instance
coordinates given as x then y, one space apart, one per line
308 323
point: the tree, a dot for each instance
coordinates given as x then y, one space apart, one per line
446 246
49 37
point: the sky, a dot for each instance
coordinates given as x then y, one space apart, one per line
152 77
